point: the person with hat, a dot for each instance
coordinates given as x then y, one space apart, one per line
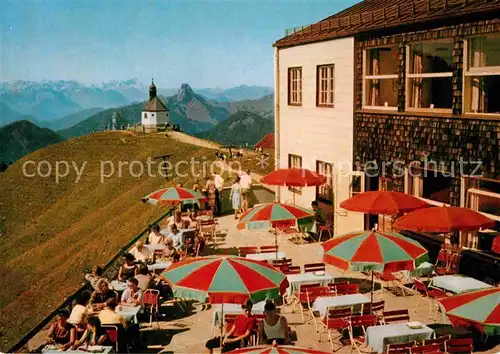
243 327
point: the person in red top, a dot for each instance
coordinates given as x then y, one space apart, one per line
243 327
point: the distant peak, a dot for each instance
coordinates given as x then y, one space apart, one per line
185 92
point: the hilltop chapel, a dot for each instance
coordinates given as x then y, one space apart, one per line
155 112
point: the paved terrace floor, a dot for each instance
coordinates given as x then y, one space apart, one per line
188 332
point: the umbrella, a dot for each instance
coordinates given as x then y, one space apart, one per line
293 177
364 251
275 215
225 279
444 220
173 195
479 309
383 202
276 350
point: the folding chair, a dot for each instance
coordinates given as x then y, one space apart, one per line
205 213
360 322
395 316
207 229
352 289
151 302
294 297
389 278
440 340
309 297
314 267
464 345
292 270
112 332
268 249
336 320
426 349
428 294
327 228
285 262
373 308
401 348
243 251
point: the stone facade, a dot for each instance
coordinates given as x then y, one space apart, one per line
408 136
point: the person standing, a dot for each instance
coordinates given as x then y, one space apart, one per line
219 184
246 184
235 197
210 188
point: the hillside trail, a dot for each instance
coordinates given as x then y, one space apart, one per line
188 139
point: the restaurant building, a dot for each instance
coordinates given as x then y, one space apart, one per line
425 104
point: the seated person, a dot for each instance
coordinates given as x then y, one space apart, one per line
128 269
169 251
319 213
145 281
108 315
156 237
176 220
79 313
94 334
62 332
176 237
241 331
101 295
274 328
132 296
94 276
141 253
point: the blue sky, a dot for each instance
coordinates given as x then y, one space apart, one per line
205 43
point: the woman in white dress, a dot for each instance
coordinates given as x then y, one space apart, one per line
274 328
235 196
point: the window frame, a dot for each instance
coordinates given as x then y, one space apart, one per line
361 175
319 80
472 72
329 178
409 76
298 81
366 78
297 190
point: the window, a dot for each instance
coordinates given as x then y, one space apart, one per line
295 161
325 192
145 116
429 72
482 75
295 86
386 184
380 78
325 85
356 186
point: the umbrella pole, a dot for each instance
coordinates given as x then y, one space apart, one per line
293 197
221 323
371 308
276 241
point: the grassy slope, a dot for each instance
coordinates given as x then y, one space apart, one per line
51 232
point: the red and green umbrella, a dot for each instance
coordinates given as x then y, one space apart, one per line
479 309
275 215
377 251
173 195
276 350
225 279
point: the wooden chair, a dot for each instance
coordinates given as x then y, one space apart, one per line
362 322
401 348
207 230
388 278
205 213
335 320
352 289
426 349
268 249
243 251
427 294
292 270
300 297
335 283
327 228
151 302
113 334
395 316
440 340
282 262
308 297
314 267
464 345
373 308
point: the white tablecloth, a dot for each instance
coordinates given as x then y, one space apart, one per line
159 266
457 284
129 313
156 247
269 257
378 337
51 349
118 285
323 303
307 278
257 308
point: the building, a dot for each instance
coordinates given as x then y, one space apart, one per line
155 113
415 103
267 142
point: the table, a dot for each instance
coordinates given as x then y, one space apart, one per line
306 278
269 257
323 303
423 270
155 247
129 313
51 349
378 337
118 285
234 309
159 266
457 284
204 218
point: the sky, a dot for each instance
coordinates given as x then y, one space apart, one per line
204 43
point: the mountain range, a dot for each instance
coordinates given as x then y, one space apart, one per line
51 100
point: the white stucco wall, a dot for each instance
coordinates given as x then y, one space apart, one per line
317 133
153 118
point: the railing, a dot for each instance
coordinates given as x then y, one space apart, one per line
294 30
68 302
